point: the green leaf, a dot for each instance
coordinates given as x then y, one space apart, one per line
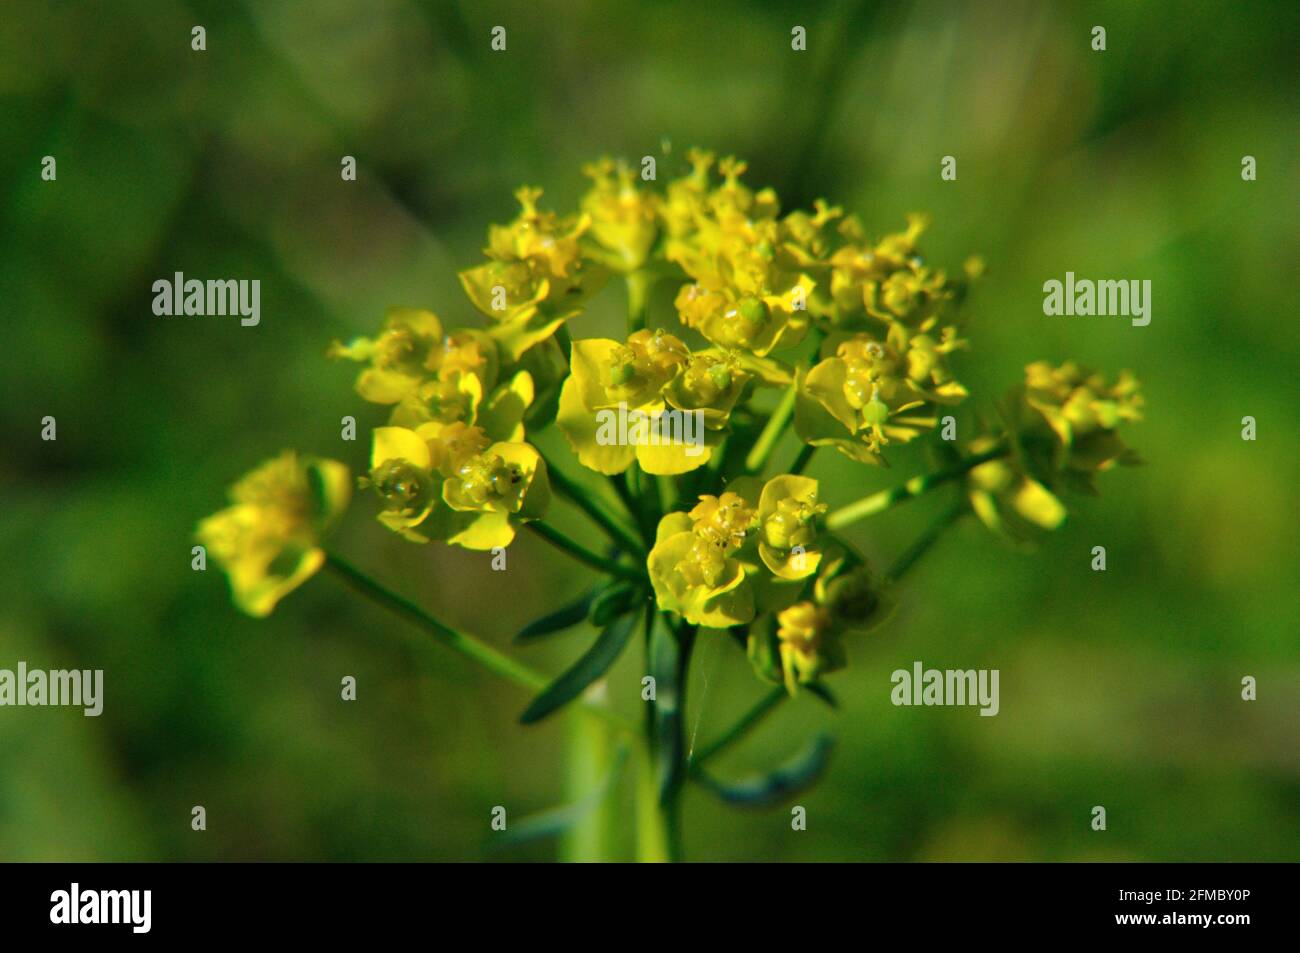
669 651
612 601
593 664
560 619
820 690
556 820
764 790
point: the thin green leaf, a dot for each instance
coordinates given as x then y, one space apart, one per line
764 790
819 690
669 652
561 619
593 664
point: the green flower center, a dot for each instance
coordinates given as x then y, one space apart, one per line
486 478
403 487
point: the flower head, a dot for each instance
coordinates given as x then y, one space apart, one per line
674 402
451 482
876 391
694 567
624 219
536 277
268 539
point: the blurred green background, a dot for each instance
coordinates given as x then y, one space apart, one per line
1119 688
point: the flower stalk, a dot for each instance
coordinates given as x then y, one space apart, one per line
917 486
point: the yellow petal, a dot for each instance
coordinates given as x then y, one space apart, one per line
398 443
580 427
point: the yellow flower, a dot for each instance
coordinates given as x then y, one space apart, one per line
1064 423
873 392
693 567
741 554
624 219
450 482
1007 500
428 374
536 278
804 640
887 281
743 294
268 539
787 535
400 356
648 401
810 644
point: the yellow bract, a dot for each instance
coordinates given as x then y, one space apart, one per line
268 539
739 554
649 401
450 482
536 278
876 391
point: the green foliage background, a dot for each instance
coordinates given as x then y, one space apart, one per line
1118 688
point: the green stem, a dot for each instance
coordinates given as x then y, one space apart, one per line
741 728
780 419
885 499
776 425
583 555
673 776
638 300
801 462
564 342
653 840
461 642
590 759
925 541
467 645
585 501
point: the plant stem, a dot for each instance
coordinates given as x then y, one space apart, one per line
672 780
653 843
741 728
801 462
638 300
467 645
767 440
585 501
589 761
563 342
461 642
925 541
885 499
583 555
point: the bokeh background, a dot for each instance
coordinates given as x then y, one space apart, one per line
1119 688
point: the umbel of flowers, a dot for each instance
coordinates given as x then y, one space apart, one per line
787 324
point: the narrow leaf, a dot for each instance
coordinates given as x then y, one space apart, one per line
820 690
764 790
669 652
559 620
593 664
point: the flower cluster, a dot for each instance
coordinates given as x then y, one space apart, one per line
738 554
858 336
650 374
536 276
452 464
1061 428
268 539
